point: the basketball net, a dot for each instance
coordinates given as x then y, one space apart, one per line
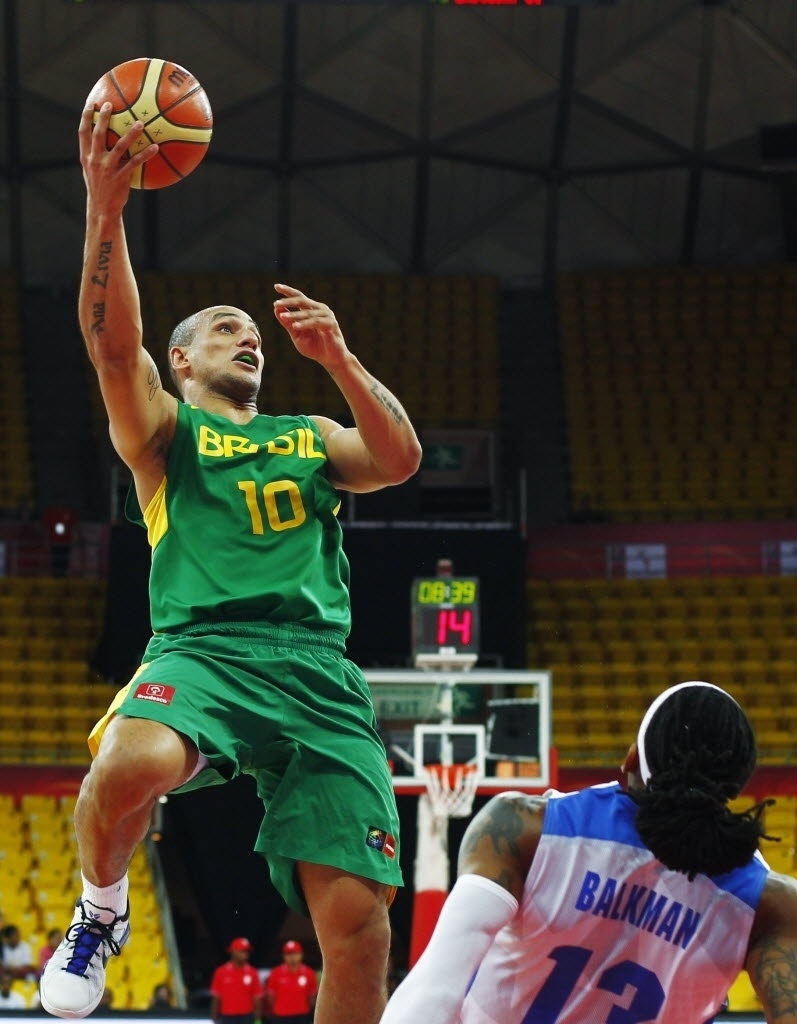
451 789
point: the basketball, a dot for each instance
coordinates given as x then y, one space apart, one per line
173 107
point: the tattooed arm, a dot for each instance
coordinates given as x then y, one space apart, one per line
502 839
140 412
495 856
382 448
772 954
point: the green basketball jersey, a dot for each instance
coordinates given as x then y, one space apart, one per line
244 528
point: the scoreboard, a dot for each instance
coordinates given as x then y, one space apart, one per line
445 620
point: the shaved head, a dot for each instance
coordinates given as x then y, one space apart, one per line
181 337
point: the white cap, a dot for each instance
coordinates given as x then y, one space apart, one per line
644 769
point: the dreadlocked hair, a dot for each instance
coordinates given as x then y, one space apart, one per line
701 751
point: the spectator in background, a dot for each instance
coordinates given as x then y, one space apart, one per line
9 999
54 937
236 992
162 1001
17 957
291 988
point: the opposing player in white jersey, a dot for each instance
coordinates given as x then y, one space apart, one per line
617 906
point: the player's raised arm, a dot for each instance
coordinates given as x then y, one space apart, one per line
772 956
383 448
108 306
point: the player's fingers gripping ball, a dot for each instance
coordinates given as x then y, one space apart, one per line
173 107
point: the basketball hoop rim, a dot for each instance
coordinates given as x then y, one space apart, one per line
459 769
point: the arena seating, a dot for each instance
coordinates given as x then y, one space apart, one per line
40 880
678 391
612 645
50 696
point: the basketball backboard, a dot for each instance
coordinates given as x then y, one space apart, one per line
497 720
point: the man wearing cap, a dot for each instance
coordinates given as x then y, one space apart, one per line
291 988
236 991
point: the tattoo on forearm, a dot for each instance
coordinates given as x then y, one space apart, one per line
100 275
100 279
388 403
153 381
775 977
98 318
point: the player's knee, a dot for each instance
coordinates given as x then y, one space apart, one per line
360 929
143 759
349 912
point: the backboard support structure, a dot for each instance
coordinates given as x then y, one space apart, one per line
440 729
494 719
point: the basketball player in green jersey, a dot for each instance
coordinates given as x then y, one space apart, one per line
246 670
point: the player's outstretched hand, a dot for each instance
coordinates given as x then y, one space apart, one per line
107 172
312 325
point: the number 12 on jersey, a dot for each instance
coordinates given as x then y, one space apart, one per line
646 999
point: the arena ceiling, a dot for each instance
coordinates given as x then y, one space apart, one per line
516 141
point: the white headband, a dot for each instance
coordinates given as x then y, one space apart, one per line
644 770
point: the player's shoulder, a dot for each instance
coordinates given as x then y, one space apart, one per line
772 946
514 813
324 425
778 902
516 801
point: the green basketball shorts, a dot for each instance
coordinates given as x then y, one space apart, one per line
283 704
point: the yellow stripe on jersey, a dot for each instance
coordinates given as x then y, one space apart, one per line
97 732
156 518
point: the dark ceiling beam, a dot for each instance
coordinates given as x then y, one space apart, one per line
633 127
475 159
544 170
350 41
13 170
699 136
286 168
356 117
498 120
391 248
247 103
555 170
773 49
420 218
500 211
636 44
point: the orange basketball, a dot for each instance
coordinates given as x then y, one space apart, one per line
173 107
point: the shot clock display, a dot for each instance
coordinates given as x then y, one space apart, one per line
445 619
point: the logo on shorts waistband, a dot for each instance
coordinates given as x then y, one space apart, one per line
158 692
377 839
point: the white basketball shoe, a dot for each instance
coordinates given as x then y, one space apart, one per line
73 979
